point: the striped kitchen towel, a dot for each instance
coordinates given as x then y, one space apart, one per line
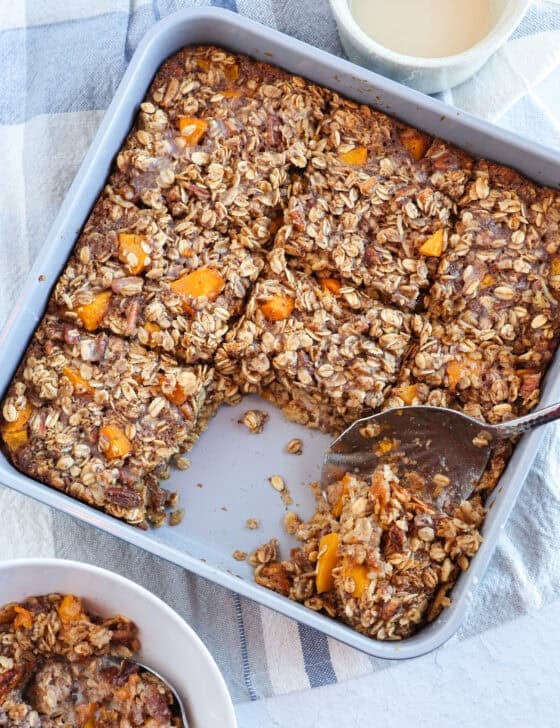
61 64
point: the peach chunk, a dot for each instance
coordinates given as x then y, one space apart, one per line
357 155
113 442
231 93
132 252
81 386
407 393
326 562
336 509
20 423
70 609
15 440
231 72
457 370
332 285
176 395
201 282
359 575
24 618
192 129
278 308
415 142
92 314
14 433
433 245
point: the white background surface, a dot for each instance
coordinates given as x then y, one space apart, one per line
508 677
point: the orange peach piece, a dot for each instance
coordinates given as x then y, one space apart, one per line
20 423
456 370
384 446
415 142
176 396
407 393
278 308
15 439
24 618
92 314
132 253
70 609
326 562
357 155
231 72
201 282
113 442
555 267
433 245
359 574
192 129
336 510
332 285
231 94
81 386
488 280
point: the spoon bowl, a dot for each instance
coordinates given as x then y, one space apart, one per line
447 449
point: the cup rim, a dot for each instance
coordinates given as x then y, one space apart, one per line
500 32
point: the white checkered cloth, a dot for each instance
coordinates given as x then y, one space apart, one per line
61 63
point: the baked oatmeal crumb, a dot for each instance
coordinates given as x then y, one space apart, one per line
291 522
239 555
182 462
277 482
252 523
175 517
295 446
254 420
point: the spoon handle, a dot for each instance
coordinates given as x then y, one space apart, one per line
528 422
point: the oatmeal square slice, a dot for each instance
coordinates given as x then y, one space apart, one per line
99 417
452 364
366 210
500 270
319 348
171 286
216 139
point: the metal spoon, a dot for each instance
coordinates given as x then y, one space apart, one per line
178 708
429 440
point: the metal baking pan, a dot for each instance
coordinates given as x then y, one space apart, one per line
232 465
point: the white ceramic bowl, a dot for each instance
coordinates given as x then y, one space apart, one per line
425 74
169 645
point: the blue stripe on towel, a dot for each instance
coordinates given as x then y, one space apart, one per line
244 653
226 4
316 657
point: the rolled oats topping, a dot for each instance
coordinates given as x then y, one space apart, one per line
324 353
96 415
54 671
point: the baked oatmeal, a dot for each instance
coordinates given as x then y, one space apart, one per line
217 139
55 671
259 233
320 349
100 417
170 285
365 208
375 555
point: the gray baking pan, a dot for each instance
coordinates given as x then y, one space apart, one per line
230 466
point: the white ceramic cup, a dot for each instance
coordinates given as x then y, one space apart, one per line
168 644
425 74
